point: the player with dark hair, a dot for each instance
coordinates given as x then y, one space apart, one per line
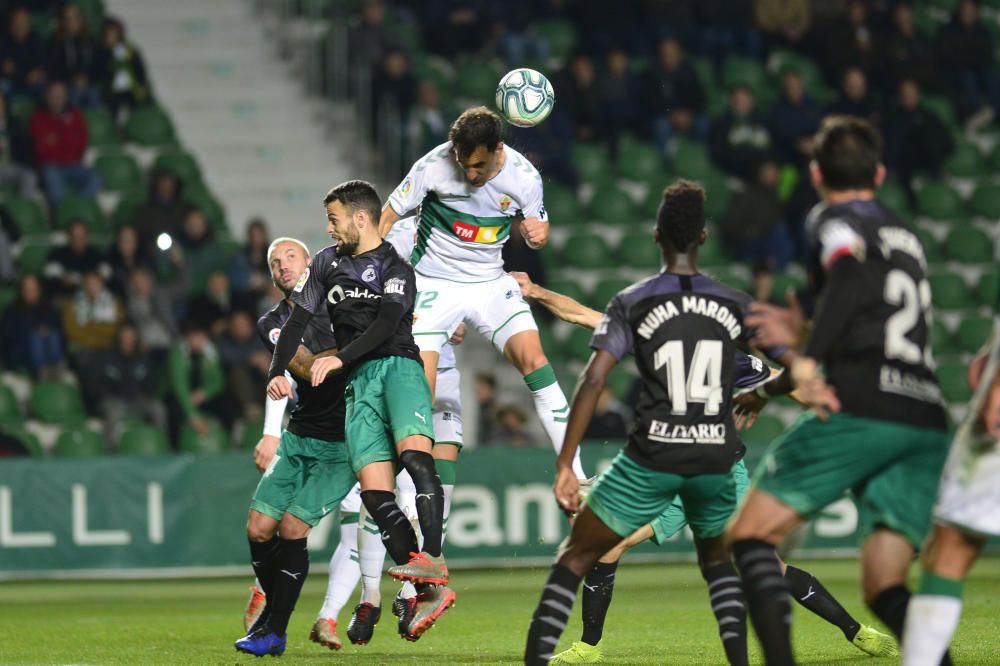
369 293
879 427
685 331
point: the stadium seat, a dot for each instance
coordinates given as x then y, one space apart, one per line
893 196
932 246
782 282
942 341
717 194
143 440
101 130
639 250
251 435
949 291
765 430
969 245
606 289
126 207
203 200
780 61
943 107
577 345
641 162
150 126
119 171
7 296
476 81
743 71
590 160
690 158
986 201
964 162
711 253
939 202
27 438
10 410
988 289
562 204
620 383
215 441
27 214
587 251
954 382
56 402
72 208
612 205
973 332
569 288
33 255
19 109
180 163
560 35
79 443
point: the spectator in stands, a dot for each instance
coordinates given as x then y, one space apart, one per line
740 140
674 99
148 304
9 234
855 99
249 273
90 319
394 90
754 224
125 257
907 54
850 42
916 138
428 126
66 266
602 30
370 38
619 92
793 120
548 146
211 308
72 56
31 333
246 363
122 382
162 212
121 70
194 253
579 94
608 422
486 396
22 56
967 61
516 40
59 137
464 22
14 157
511 427
785 22
726 26
197 383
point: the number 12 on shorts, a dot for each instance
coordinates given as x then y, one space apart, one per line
424 299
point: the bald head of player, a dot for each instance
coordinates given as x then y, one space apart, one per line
352 213
847 159
477 142
680 226
287 258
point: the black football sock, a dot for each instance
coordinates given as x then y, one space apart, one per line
598 586
810 593
262 557
430 497
290 571
397 533
890 607
551 615
767 596
725 593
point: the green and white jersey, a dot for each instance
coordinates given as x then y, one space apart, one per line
461 229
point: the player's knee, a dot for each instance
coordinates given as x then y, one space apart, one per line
261 528
292 528
712 552
419 464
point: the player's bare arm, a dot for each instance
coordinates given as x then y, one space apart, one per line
560 305
388 218
301 365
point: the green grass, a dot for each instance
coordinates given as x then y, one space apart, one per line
660 615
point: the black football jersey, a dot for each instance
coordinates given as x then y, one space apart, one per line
687 335
876 348
353 288
320 410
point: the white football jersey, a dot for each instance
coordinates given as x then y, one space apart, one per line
461 229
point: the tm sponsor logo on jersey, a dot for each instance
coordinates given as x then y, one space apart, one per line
338 294
473 234
678 433
699 305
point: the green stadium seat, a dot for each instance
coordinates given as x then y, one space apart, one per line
939 202
550 344
727 276
79 443
973 332
717 193
569 288
893 196
19 109
988 289
27 438
143 440
690 158
943 107
590 160
638 250
476 81
765 430
203 200
705 70
954 382
606 289
942 341
743 71
180 163
949 291
560 35
7 296
932 246
32 259
986 201
10 410
27 214
125 208
578 343
587 251
712 253
150 126
251 435
613 205
620 383
781 284
562 204
964 162
101 130
119 170
72 208
641 162
781 61
56 402
969 245
214 442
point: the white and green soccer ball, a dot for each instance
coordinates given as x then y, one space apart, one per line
525 97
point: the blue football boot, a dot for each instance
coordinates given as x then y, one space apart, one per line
262 641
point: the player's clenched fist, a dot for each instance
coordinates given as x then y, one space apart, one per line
263 453
321 367
567 488
279 388
535 232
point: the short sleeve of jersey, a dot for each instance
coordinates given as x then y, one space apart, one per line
399 284
535 205
835 238
411 192
749 372
310 291
613 334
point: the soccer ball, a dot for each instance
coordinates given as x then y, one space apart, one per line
525 97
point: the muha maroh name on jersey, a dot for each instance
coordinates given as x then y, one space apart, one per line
700 433
690 305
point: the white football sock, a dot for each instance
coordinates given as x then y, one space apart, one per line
552 409
930 623
344 572
371 556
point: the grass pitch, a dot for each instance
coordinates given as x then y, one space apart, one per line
660 615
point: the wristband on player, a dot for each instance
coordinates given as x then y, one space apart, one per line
274 413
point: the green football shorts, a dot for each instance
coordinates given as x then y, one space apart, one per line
307 478
387 399
673 520
892 470
628 495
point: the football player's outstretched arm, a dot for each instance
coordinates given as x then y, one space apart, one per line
558 304
389 217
